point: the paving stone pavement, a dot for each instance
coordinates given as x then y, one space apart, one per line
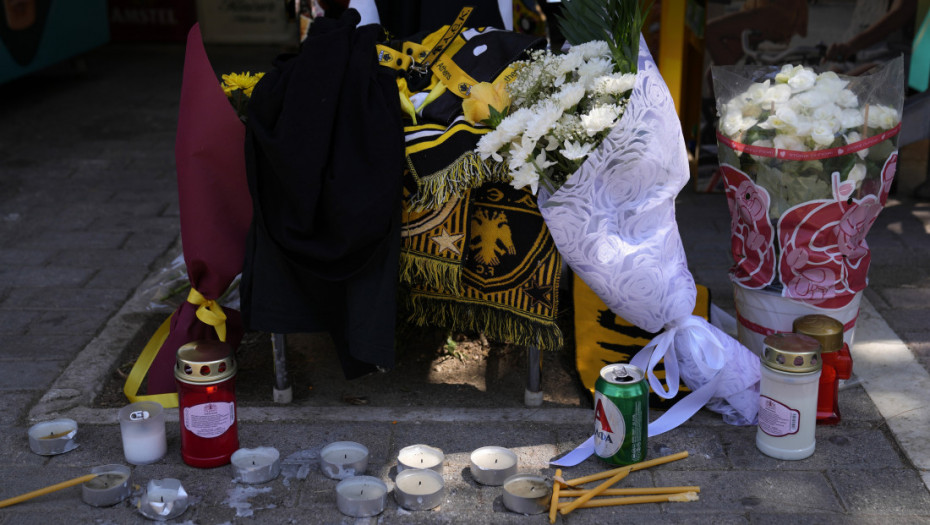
88 212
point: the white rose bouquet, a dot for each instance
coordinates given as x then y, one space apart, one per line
807 161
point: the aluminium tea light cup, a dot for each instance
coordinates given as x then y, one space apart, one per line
54 437
361 496
343 459
418 489
526 494
420 457
164 499
110 487
256 465
493 465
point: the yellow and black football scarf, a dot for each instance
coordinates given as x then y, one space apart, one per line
508 274
602 338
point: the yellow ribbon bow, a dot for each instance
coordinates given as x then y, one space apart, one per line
209 312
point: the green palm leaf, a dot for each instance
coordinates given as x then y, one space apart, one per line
617 22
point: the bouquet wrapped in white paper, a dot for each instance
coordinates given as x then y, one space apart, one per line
612 218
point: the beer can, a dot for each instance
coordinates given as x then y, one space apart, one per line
621 414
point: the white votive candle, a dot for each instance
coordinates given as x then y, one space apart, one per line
53 437
526 494
163 499
418 489
256 465
493 465
420 456
110 487
142 427
343 459
361 496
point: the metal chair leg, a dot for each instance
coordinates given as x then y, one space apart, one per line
282 384
533 396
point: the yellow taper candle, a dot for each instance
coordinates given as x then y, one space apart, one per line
46 490
630 500
553 507
629 468
595 491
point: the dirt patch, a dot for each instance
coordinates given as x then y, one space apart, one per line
433 369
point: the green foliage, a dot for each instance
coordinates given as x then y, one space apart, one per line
618 22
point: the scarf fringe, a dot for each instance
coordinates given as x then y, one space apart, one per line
432 273
496 323
467 172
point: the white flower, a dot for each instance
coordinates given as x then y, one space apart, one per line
599 119
514 124
544 116
489 145
847 99
542 162
882 117
777 94
812 99
576 150
857 173
851 118
570 95
756 92
853 136
525 175
595 48
822 133
734 124
592 69
615 84
798 78
569 63
789 142
830 81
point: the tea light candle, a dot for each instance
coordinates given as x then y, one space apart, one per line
526 494
418 489
53 437
361 496
493 465
142 426
164 499
420 456
110 487
343 459
256 465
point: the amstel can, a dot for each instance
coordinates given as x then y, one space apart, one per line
621 414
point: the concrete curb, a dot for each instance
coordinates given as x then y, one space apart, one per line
896 383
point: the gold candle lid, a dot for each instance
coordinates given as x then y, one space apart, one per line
789 352
205 362
825 329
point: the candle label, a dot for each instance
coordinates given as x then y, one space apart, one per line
609 426
776 419
209 420
138 415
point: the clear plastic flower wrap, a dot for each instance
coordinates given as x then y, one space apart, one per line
807 160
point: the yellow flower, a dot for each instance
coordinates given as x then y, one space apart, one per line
240 81
484 96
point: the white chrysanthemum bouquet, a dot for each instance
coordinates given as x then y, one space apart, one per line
563 105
